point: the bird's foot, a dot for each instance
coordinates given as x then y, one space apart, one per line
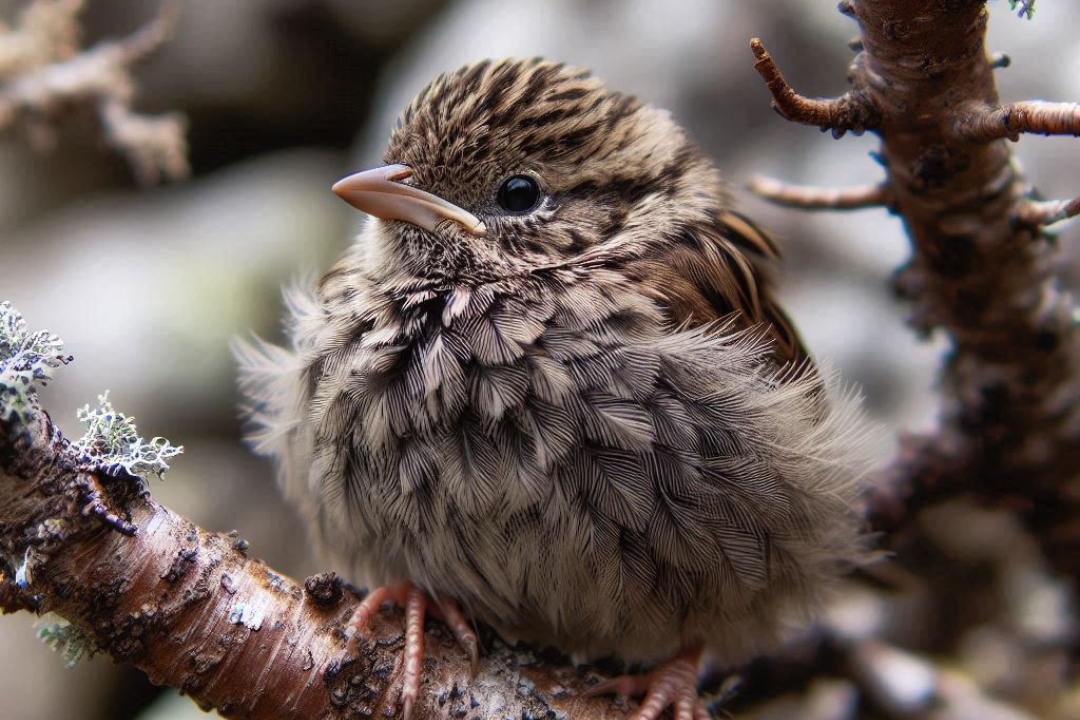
417 605
672 684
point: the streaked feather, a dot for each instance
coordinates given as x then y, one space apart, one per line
593 426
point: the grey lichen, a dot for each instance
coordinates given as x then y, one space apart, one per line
111 446
113 443
26 359
72 643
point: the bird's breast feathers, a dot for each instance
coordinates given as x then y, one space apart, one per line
460 429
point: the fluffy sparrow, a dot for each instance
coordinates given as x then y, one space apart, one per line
549 388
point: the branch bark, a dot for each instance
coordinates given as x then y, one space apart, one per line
819 198
852 111
1039 213
192 610
982 124
981 270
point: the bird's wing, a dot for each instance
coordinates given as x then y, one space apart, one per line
704 277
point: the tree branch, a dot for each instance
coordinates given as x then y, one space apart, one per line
852 111
193 611
43 79
1035 214
819 198
979 123
981 270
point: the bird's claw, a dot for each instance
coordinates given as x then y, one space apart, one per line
671 684
417 604
449 612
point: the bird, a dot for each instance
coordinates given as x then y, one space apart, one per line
550 388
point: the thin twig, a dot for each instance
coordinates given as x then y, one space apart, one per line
809 197
851 111
40 95
1009 121
1035 214
145 41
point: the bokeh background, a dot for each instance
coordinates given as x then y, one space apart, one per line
148 286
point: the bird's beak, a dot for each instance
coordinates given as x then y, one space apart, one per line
378 192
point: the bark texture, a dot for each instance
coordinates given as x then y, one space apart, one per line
192 610
982 269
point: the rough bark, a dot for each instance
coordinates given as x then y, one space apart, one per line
982 269
192 610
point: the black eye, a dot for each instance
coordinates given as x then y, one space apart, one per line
519 194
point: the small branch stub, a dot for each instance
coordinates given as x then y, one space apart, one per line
1037 214
808 197
851 111
983 124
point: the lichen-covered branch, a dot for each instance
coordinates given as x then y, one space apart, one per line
81 537
981 269
44 79
184 605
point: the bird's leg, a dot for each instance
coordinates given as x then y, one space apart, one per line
450 614
417 604
673 683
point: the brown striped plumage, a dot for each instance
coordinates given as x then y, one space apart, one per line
584 421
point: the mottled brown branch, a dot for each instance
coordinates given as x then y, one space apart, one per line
926 469
981 270
1040 213
979 123
808 197
43 81
192 610
853 111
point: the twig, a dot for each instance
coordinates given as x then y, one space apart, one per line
1037 214
852 111
51 84
148 39
154 146
809 197
45 32
981 269
977 123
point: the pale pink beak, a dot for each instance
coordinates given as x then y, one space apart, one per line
378 192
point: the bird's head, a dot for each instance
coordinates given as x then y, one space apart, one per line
505 167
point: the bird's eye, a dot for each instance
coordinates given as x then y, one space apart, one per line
519 194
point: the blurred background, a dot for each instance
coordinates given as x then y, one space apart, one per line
283 97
